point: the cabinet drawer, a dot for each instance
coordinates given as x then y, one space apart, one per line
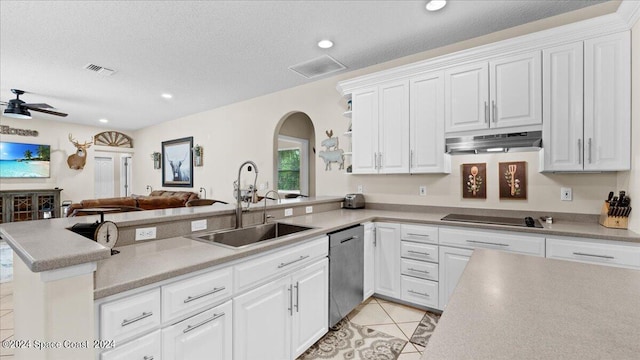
419 291
417 251
125 318
421 269
146 347
613 254
419 233
252 272
496 240
183 297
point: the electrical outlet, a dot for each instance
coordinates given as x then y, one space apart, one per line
146 233
197 225
360 189
263 185
308 209
423 190
288 212
566 194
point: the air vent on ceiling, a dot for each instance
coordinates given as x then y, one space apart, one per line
99 69
322 65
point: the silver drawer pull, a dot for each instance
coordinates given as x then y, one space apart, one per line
144 315
354 237
411 234
418 252
418 293
486 243
417 270
594 255
147 358
192 327
191 298
291 262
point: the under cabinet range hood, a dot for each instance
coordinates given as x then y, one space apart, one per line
520 141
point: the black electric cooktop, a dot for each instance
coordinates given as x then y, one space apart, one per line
494 220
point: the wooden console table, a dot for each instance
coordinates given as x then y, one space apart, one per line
23 205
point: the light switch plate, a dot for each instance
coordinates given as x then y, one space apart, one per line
566 194
360 189
198 225
146 233
423 190
288 212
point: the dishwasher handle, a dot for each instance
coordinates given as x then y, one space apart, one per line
354 237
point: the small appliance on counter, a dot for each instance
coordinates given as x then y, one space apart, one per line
354 201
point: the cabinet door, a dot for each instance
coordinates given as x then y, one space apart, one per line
387 267
311 305
452 264
146 347
426 112
203 336
369 260
466 97
393 135
607 100
364 125
262 322
562 131
516 90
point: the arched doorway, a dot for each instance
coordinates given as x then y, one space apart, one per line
294 155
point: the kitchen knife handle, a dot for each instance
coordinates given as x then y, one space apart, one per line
494 110
486 112
579 151
589 150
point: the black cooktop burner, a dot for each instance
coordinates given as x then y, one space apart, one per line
495 220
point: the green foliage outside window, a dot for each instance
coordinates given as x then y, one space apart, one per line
289 169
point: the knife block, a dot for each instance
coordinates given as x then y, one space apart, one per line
614 222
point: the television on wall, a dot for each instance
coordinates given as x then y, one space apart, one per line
18 160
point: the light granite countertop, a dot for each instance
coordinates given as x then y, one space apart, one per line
510 306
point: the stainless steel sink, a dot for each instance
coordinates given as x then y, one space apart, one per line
239 238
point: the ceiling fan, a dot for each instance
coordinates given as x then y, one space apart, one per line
18 109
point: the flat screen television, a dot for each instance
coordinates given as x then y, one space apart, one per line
19 160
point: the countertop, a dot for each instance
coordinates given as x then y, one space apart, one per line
510 306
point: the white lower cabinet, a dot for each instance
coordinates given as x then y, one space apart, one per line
281 319
147 347
387 260
594 251
203 336
452 264
369 260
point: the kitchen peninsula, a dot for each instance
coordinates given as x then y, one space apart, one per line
61 276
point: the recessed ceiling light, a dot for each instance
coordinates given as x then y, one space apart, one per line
167 96
435 5
104 121
325 44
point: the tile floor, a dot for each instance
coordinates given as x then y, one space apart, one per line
391 318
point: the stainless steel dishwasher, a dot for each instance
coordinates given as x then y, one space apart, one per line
346 271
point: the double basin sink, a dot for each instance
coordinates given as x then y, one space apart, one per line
240 238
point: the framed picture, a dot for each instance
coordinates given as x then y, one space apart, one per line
513 180
177 162
474 181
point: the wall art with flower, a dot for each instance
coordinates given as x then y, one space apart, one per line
474 181
513 180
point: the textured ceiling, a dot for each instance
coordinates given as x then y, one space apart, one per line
212 53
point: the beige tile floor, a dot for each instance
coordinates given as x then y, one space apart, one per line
391 318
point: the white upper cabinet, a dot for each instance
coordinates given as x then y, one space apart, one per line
607 102
505 92
562 130
467 97
364 124
426 125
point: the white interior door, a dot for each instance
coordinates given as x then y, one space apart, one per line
104 179
126 169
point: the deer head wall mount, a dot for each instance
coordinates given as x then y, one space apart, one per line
76 161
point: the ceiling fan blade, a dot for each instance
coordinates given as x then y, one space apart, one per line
46 111
40 105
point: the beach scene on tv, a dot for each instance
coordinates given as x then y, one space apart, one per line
24 160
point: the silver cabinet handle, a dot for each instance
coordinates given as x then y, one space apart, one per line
291 262
379 160
354 237
290 308
589 150
411 160
412 234
375 160
418 270
594 255
144 315
192 327
494 109
418 252
486 112
191 298
579 151
485 243
147 358
297 286
418 293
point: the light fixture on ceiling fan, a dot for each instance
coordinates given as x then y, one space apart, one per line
435 5
18 109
